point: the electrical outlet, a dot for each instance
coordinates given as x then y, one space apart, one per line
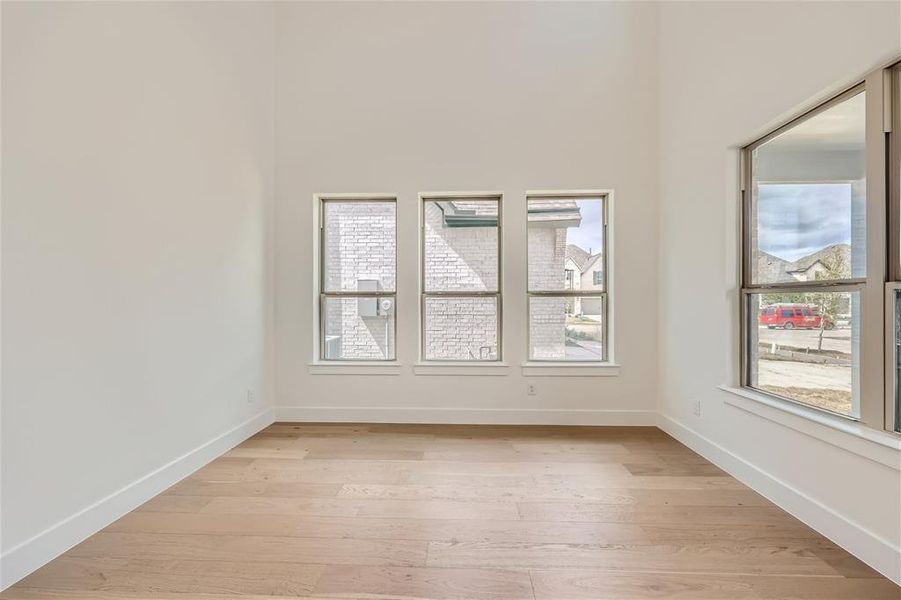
530 389
251 397
696 408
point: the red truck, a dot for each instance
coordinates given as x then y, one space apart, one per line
793 316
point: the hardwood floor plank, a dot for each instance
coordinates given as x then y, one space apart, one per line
618 496
698 559
381 528
435 584
176 576
654 515
592 585
221 489
264 549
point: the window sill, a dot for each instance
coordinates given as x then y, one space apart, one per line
354 368
461 368
574 369
879 446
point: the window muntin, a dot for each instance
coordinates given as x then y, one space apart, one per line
461 275
358 258
805 258
567 277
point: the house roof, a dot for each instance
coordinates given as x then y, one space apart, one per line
553 210
477 212
577 255
581 258
774 269
836 254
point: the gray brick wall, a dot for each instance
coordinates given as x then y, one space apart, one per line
547 254
360 241
460 259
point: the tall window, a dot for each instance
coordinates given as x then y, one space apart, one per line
461 278
567 277
805 257
357 278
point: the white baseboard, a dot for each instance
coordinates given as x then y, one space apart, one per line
21 560
862 543
464 416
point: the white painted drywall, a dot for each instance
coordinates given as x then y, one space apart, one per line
405 98
727 71
137 182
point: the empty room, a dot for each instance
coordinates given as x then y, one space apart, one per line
450 300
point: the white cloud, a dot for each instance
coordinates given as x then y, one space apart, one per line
795 220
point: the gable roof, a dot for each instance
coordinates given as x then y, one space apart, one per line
577 255
836 253
772 269
581 258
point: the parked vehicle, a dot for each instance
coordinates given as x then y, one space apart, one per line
793 316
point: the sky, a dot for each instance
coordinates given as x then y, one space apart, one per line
794 220
590 233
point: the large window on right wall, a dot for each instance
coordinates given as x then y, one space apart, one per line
813 300
568 281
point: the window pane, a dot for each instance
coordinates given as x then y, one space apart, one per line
810 358
463 328
808 198
461 247
566 244
359 246
562 328
359 328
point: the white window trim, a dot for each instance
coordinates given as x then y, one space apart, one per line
448 366
348 367
882 447
463 368
351 367
569 369
609 366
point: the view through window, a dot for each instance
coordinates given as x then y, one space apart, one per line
461 274
357 278
567 277
805 246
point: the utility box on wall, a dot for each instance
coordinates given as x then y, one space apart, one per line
372 307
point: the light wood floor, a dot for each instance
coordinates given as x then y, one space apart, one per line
440 512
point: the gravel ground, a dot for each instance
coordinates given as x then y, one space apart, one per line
826 386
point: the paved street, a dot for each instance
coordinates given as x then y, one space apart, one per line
838 339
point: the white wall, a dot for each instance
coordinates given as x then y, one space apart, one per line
413 97
727 71
137 177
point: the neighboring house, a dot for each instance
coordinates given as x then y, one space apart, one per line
818 265
584 271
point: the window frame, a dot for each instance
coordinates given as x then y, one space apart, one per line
424 198
893 285
871 363
606 198
321 201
